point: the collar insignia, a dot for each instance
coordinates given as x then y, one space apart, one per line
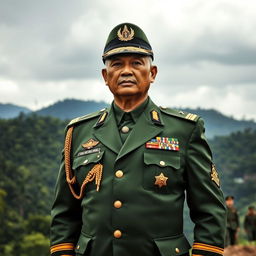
101 119
155 117
164 143
215 175
125 34
161 180
91 143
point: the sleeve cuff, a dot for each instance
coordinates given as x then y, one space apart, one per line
206 249
64 249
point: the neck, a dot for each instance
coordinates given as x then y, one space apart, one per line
128 104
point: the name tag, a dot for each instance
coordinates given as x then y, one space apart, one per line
89 151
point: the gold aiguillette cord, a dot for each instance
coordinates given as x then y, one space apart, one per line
94 174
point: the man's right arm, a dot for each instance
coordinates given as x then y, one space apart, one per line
66 218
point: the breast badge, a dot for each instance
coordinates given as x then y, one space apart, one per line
215 175
164 143
91 143
161 180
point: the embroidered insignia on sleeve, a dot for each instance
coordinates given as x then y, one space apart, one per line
215 175
161 180
91 143
125 34
164 143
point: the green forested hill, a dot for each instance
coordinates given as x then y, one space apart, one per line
11 111
235 156
29 159
71 108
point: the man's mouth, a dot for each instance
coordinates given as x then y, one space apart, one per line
127 82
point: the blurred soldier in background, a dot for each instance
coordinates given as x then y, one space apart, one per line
250 223
232 222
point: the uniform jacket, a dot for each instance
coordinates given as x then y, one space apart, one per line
250 222
232 218
148 219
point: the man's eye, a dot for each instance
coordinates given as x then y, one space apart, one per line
137 63
115 64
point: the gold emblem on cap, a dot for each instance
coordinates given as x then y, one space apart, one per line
90 144
125 34
215 176
161 180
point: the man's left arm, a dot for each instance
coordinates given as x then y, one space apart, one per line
204 196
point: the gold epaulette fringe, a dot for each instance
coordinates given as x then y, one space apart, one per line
94 174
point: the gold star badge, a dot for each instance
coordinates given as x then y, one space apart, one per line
161 180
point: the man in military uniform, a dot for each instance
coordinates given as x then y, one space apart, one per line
250 224
232 221
126 169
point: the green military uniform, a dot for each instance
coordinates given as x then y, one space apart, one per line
123 181
250 225
232 225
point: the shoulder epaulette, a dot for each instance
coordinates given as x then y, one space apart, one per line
86 117
180 114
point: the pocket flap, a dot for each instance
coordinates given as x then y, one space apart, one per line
87 159
172 246
158 158
82 243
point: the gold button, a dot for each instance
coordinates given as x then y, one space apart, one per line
125 129
162 163
119 174
78 247
117 234
117 204
177 250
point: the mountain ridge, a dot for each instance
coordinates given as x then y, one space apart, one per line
216 123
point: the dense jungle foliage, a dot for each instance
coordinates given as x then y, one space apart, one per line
29 158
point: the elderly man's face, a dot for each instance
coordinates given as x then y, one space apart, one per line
129 75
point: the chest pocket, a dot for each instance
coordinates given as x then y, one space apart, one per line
83 164
162 172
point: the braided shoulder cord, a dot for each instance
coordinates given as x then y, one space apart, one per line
94 173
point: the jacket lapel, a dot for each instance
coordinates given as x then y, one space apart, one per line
144 130
108 133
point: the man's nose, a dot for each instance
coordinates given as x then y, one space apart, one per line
126 71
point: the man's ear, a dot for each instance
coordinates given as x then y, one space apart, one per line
153 73
104 75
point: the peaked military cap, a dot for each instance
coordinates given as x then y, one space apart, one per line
127 38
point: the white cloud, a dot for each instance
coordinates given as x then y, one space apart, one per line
205 50
238 101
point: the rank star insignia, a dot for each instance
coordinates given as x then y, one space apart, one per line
91 143
161 180
215 176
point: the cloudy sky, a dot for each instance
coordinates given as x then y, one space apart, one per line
205 51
